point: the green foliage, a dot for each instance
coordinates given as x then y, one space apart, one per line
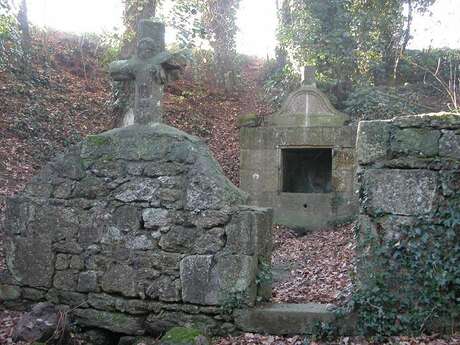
186 18
324 331
411 282
351 42
213 21
112 43
264 276
10 49
440 60
279 82
233 300
372 103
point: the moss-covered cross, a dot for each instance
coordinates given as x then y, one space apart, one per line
151 68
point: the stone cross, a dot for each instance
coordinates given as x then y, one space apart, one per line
308 76
151 68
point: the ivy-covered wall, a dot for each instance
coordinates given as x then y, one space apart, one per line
409 224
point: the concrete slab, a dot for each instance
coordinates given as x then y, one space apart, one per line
284 319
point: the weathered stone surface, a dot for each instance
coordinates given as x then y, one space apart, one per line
450 182
138 190
66 280
114 322
210 280
416 141
37 325
198 285
184 336
433 120
179 239
87 281
165 288
211 242
158 324
119 278
449 144
33 294
31 261
9 292
69 298
373 141
241 234
414 190
110 233
400 192
155 218
284 319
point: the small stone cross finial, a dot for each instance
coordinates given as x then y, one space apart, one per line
308 76
151 68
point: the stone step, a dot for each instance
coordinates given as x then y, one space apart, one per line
290 319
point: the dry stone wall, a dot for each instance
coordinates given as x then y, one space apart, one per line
409 178
139 229
408 167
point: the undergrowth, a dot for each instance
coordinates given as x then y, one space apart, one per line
411 282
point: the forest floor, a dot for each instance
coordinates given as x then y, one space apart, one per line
68 96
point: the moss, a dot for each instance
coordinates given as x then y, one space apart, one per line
98 140
181 335
247 119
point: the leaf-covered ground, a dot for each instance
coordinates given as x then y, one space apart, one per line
313 268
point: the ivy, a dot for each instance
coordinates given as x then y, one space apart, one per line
411 282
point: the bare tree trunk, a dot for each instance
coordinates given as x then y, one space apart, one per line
26 42
135 10
406 38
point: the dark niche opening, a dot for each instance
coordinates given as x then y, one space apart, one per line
306 170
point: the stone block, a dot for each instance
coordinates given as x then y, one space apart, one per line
434 120
415 141
9 292
450 181
114 322
19 212
179 239
66 280
87 281
241 234
211 242
373 141
165 261
342 181
210 218
163 169
138 190
198 284
120 278
33 294
31 261
158 324
209 280
69 298
343 159
449 144
155 217
165 288
284 319
90 187
400 192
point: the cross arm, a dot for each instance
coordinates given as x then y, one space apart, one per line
121 70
